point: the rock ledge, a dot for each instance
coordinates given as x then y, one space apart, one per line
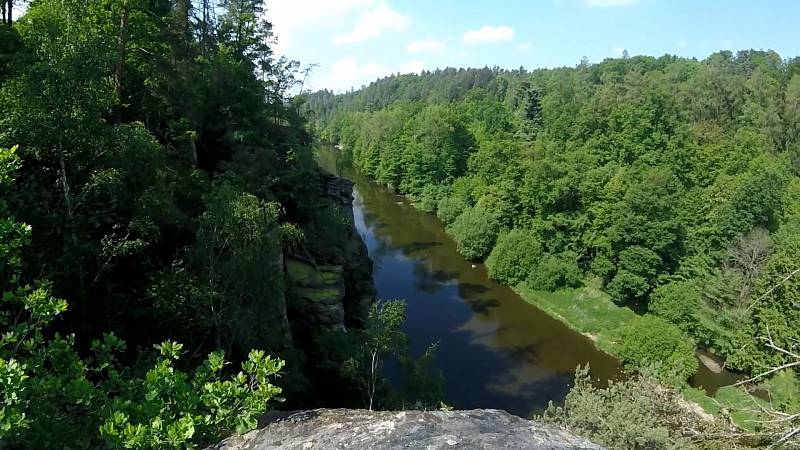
362 430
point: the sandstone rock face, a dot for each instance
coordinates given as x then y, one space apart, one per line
373 430
360 292
320 291
338 293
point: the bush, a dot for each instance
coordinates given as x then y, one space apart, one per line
676 302
636 271
55 399
428 200
449 208
649 340
513 257
555 272
635 413
475 232
52 397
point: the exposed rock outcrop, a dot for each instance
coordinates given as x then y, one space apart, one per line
373 430
711 361
320 292
335 294
360 290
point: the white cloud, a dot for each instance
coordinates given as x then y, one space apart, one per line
374 22
345 71
349 72
608 3
488 34
426 45
291 18
412 67
524 46
375 70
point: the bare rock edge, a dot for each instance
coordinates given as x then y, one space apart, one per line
362 430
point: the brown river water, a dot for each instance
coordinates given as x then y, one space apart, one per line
494 349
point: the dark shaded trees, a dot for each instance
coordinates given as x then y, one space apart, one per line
159 178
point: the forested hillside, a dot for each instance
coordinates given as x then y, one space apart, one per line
173 262
671 183
154 174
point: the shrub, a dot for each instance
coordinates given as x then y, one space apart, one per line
635 413
52 397
649 340
676 302
475 232
636 270
554 272
513 257
449 208
428 200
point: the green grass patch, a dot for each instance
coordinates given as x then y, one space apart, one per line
699 397
743 408
587 310
591 311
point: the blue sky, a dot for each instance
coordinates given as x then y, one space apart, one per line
356 41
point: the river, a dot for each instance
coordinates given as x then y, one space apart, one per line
494 349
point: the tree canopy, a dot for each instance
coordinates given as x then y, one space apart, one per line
154 170
670 179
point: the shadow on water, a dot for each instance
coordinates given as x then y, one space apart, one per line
469 290
428 280
495 350
483 306
418 247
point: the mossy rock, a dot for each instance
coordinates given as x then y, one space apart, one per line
305 275
326 296
330 278
332 269
299 271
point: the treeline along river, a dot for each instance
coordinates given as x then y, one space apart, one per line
494 349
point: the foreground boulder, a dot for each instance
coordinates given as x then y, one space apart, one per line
370 430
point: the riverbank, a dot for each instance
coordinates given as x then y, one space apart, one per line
591 312
395 224
587 310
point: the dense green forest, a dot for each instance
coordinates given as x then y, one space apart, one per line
159 192
671 183
154 174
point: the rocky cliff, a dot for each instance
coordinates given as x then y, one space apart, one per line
374 430
333 294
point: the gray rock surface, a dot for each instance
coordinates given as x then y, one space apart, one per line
374 430
333 293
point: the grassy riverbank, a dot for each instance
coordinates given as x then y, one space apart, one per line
591 312
587 310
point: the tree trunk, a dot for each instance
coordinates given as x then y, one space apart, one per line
67 196
9 18
373 377
206 26
122 44
192 152
182 17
